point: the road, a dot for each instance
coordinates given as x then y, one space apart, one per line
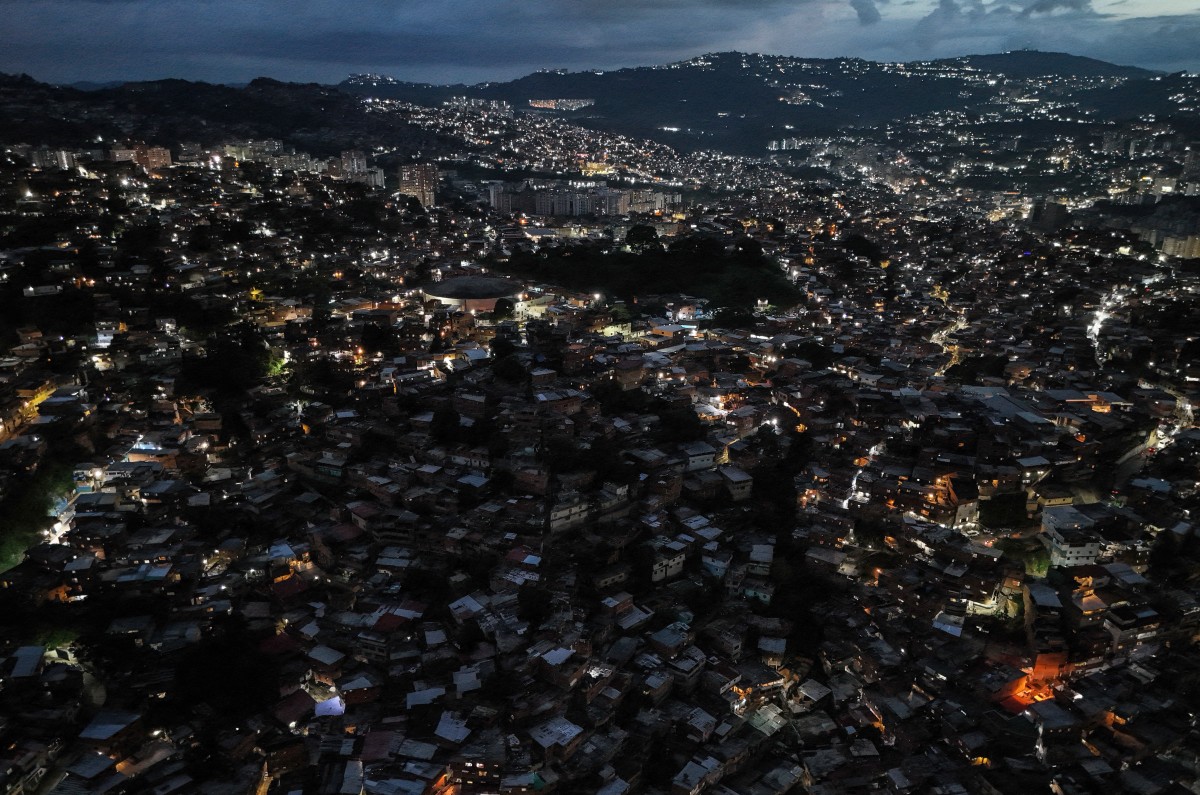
939 338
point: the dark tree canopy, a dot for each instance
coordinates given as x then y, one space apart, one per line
697 266
642 237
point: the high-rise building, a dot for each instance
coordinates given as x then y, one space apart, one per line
419 180
151 157
1048 215
372 177
49 158
1191 161
353 163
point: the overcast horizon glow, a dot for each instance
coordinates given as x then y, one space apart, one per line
478 40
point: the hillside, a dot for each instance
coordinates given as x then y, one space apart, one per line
319 119
739 102
733 102
1024 64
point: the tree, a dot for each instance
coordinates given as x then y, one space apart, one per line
1004 510
774 494
509 368
748 251
1029 552
232 362
732 317
679 424
860 245
445 425
799 452
534 605
378 338
869 532
501 347
973 368
642 237
228 672
697 247
503 309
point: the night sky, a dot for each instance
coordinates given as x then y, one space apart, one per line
476 40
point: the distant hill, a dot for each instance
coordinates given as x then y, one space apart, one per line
738 102
319 119
730 101
87 85
1025 64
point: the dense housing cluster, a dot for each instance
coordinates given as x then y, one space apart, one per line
382 472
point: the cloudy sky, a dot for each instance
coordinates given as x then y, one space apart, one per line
446 41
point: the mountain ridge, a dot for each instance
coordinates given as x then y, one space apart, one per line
1019 64
1080 65
740 102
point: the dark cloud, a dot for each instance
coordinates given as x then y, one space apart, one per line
956 27
868 13
316 40
1050 6
474 40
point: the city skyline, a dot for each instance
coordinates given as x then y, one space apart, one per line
468 41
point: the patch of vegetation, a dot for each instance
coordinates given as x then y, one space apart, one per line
228 673
974 368
232 363
25 511
694 265
1004 510
1029 552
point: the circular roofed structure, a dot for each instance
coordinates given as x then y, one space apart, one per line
473 293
